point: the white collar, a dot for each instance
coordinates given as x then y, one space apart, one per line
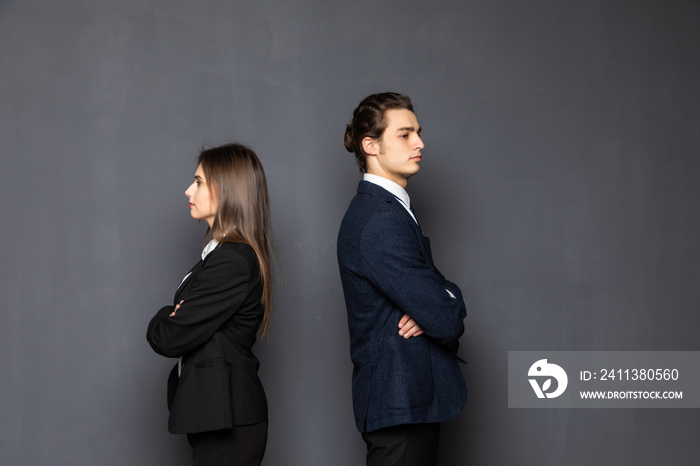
390 186
209 248
394 189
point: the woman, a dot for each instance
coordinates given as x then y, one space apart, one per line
214 393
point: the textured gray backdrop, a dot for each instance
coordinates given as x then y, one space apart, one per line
559 187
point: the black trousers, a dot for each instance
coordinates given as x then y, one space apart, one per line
403 445
240 446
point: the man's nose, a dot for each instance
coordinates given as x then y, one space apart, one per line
419 142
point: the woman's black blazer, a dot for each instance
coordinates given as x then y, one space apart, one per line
214 330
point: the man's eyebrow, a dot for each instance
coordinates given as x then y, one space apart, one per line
409 128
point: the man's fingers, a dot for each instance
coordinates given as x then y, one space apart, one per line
408 327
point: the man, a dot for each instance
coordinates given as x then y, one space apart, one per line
404 317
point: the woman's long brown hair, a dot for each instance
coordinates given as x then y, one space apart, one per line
237 179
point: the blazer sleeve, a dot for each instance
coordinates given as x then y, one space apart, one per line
217 292
396 264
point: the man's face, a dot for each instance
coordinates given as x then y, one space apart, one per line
396 156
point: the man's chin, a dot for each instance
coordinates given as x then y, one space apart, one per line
412 172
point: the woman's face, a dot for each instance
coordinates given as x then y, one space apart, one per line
202 204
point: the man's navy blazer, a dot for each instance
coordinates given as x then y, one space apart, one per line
387 270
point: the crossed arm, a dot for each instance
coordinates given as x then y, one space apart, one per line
397 265
220 289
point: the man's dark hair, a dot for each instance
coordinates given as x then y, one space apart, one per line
369 120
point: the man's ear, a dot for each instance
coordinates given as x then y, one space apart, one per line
370 146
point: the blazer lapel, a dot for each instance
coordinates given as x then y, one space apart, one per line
366 187
187 282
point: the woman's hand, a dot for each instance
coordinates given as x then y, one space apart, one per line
408 327
176 308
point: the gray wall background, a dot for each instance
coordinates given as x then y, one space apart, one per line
559 188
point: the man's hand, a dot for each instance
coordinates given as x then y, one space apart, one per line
176 308
408 327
